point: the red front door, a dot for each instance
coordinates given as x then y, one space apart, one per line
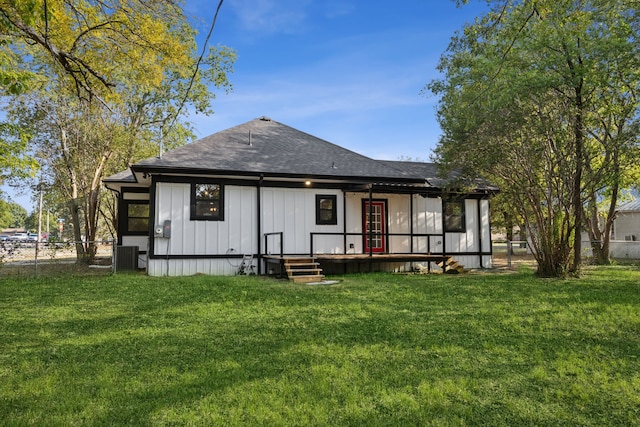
376 224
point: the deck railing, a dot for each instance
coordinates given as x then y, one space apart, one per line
369 236
276 233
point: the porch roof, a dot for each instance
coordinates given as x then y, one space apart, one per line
430 174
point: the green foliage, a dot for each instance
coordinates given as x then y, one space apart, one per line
90 41
15 161
115 79
12 81
378 349
541 98
12 215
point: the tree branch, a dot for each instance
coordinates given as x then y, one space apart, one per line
197 68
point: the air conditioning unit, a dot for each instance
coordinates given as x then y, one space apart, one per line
126 258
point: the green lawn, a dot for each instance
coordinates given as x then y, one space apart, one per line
381 349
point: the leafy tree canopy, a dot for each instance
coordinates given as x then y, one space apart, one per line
541 96
12 215
112 79
89 41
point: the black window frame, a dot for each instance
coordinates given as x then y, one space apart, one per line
195 216
126 225
454 222
333 219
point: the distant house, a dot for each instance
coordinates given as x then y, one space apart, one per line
252 196
626 225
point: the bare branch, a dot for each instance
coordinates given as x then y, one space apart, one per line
197 67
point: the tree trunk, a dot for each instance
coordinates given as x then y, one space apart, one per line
74 210
92 208
577 184
74 205
550 252
603 256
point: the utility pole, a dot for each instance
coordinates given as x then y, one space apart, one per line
39 226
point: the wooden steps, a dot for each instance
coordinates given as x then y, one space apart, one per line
451 266
303 270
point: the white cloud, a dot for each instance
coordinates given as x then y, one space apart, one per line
344 95
336 9
272 16
358 87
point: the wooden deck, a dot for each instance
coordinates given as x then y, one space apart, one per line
345 263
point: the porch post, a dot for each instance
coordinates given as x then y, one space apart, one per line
369 228
411 223
344 228
479 213
259 225
152 219
444 235
344 221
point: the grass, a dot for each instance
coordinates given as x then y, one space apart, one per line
381 349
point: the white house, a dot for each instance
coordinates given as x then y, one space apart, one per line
625 242
262 192
626 225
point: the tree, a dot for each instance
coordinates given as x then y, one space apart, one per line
87 41
12 215
541 97
131 73
15 161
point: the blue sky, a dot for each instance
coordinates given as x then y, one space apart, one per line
348 71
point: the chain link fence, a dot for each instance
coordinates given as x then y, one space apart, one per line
511 254
26 258
32 258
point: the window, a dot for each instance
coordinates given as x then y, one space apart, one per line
207 202
454 216
326 210
137 217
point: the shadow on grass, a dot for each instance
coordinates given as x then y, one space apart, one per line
376 349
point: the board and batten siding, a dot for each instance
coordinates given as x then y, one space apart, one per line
467 241
286 210
427 219
292 211
235 235
397 221
626 226
485 220
476 237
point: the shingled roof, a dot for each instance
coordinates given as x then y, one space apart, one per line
264 146
430 174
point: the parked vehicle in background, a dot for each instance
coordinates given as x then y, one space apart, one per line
32 237
4 237
20 237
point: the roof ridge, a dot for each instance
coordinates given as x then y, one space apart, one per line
327 142
265 145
